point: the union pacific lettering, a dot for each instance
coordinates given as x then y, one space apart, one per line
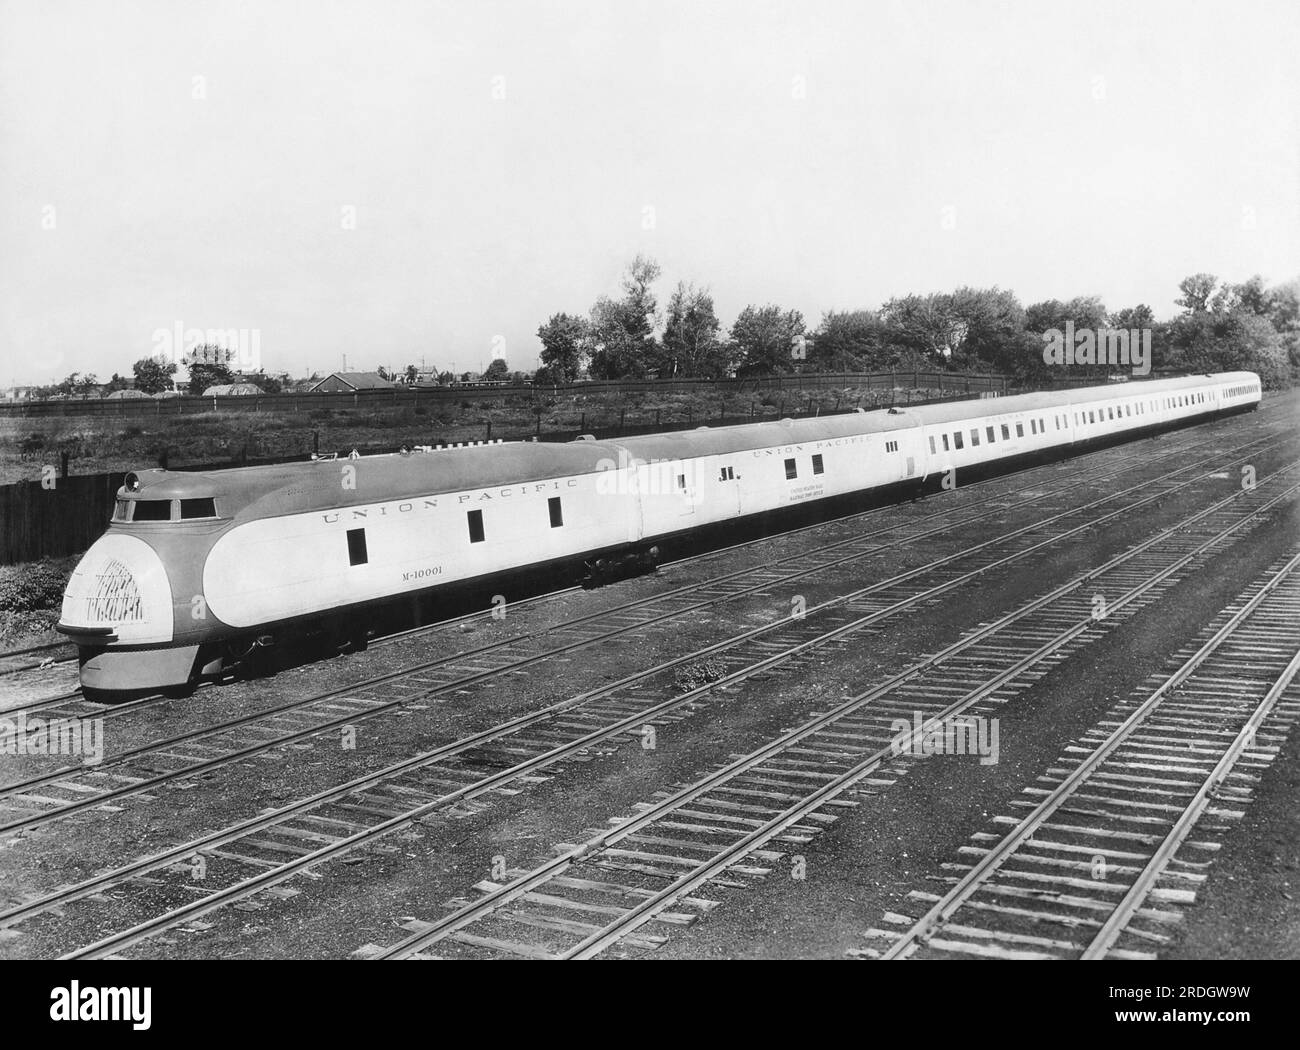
384 510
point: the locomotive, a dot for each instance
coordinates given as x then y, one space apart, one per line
198 569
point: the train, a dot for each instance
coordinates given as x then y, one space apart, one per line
196 570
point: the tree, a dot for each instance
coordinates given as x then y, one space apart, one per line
77 385
849 341
1227 330
970 328
1251 296
1083 311
209 365
153 374
690 344
764 338
116 383
924 325
991 323
1140 317
565 344
1284 312
497 371
622 331
411 374
1196 291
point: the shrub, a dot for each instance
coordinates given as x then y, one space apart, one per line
33 442
37 585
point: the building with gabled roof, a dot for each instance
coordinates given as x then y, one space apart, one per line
350 382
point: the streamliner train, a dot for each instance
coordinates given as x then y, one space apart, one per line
196 569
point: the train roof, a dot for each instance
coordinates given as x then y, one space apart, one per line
328 483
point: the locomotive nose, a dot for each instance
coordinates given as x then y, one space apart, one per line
118 595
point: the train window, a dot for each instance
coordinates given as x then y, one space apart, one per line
932 448
1091 417
988 433
891 446
152 510
120 508
681 482
199 508
956 439
357 546
818 467
727 474
475 526
557 512
1020 430
944 439
791 470
974 436
1042 426
1006 432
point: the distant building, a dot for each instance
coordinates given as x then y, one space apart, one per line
232 390
126 393
348 382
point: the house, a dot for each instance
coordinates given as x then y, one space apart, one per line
232 390
350 382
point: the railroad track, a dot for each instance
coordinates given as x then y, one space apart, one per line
1103 861
70 790
717 832
333 822
35 657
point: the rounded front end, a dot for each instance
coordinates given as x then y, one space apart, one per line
117 608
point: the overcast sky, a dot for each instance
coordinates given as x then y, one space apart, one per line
171 161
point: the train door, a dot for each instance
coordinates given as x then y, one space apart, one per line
685 486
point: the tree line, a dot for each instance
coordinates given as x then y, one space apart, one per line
1221 327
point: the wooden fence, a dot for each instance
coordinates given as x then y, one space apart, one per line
291 404
63 515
